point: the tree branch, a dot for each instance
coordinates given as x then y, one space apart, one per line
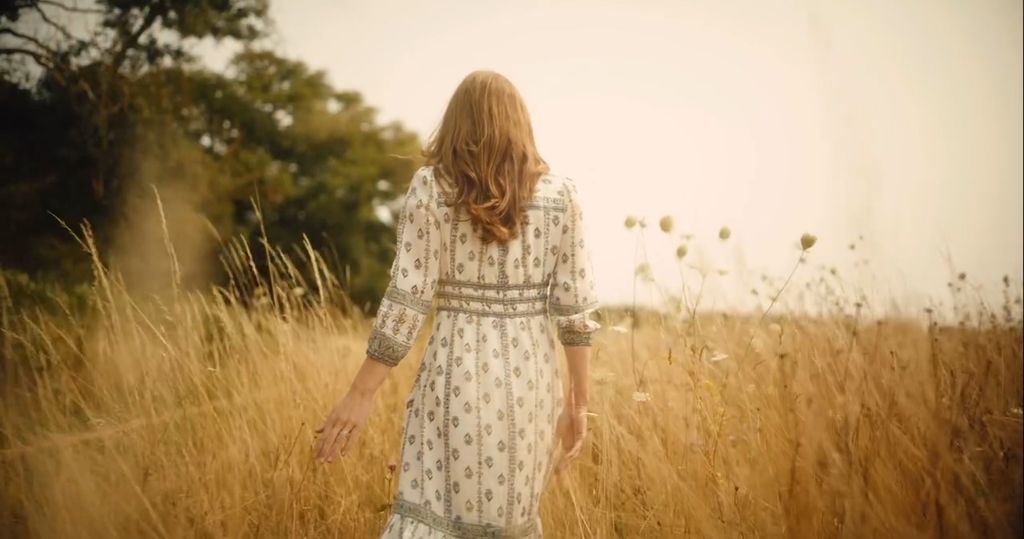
44 62
31 39
133 38
71 9
40 59
46 18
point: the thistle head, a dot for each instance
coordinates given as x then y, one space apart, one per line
807 241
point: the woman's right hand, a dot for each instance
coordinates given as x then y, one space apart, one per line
571 431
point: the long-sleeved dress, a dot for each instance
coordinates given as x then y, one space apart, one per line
479 433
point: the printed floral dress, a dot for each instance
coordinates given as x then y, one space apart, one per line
479 423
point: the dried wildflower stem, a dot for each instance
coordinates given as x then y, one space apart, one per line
774 300
694 322
682 286
632 326
642 376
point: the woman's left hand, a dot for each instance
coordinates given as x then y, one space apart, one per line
343 425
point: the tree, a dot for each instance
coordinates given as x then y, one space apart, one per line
125 37
91 122
315 156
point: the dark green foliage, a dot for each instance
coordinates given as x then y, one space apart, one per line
91 122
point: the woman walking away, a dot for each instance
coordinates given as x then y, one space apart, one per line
498 241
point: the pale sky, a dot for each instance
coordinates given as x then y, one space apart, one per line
901 121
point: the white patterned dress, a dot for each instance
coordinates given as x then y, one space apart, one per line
479 423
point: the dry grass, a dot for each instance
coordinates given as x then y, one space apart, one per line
192 415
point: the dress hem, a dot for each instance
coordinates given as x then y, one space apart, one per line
405 514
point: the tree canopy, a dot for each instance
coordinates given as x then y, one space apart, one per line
102 104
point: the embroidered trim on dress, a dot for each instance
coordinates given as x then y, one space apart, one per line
492 286
492 299
493 314
385 348
568 310
462 529
408 299
487 299
573 337
539 202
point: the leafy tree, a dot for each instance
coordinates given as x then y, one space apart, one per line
93 74
316 157
91 120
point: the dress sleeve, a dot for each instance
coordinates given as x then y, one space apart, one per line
414 272
573 298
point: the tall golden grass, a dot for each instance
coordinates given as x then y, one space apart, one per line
191 415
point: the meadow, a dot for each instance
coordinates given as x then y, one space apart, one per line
191 414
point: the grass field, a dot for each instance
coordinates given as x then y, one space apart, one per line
191 415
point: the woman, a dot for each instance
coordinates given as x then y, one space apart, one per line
498 241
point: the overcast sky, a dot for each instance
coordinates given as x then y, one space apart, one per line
898 121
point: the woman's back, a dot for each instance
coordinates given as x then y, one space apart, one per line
545 268
479 429
528 261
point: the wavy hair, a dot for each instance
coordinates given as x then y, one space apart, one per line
484 151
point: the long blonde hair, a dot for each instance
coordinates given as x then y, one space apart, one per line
484 150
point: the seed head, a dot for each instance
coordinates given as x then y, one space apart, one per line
643 270
724 233
807 241
666 224
681 252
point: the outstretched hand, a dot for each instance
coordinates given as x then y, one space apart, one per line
342 426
